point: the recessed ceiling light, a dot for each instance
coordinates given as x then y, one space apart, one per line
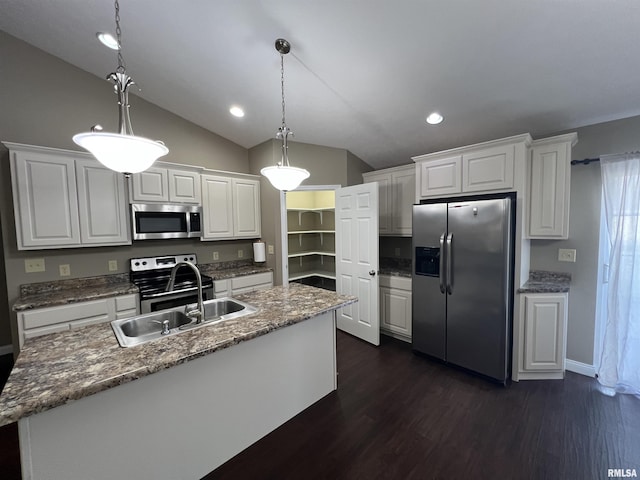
236 111
434 118
107 40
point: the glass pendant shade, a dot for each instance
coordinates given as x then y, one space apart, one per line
122 153
285 178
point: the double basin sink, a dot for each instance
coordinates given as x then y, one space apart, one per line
152 326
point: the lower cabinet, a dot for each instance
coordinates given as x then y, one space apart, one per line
395 306
544 327
42 321
243 284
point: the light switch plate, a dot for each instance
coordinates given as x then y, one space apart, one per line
33 265
271 251
567 254
113 265
65 270
216 255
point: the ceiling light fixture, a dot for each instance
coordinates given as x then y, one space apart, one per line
434 118
236 111
122 152
107 40
283 176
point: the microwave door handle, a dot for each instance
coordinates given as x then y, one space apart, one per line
441 270
450 263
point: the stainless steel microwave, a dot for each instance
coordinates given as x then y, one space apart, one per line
157 221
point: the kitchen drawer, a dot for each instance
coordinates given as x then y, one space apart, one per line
37 332
391 281
127 302
221 288
250 281
64 313
88 321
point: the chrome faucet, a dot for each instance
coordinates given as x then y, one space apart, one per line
198 314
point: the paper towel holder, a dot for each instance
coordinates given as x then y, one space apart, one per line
259 253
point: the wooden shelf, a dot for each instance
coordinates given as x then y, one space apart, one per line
308 254
312 273
310 231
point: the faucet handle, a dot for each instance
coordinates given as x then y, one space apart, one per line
165 327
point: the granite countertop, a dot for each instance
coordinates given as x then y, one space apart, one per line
61 367
541 281
64 292
395 266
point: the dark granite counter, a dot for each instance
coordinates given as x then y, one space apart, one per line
64 292
58 368
541 281
395 267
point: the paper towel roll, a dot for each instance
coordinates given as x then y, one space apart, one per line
259 254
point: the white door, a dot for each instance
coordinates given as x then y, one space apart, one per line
357 260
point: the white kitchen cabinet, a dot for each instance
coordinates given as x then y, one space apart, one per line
230 207
243 284
396 195
161 184
395 306
45 199
440 177
544 318
549 187
42 321
248 283
65 199
102 204
480 168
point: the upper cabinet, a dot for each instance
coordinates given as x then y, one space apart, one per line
158 184
231 207
396 195
65 199
485 167
549 187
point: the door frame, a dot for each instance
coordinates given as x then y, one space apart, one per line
284 237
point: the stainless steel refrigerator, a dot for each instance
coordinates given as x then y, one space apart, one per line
463 257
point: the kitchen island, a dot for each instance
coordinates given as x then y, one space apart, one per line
195 402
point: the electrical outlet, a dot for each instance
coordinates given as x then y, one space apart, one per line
240 253
113 265
567 254
216 255
65 270
32 265
270 250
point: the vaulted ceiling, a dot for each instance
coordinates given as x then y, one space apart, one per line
362 74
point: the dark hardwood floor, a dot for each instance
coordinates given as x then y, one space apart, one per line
399 416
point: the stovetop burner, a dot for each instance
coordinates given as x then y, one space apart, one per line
151 274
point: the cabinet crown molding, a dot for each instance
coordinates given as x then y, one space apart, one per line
524 138
567 137
23 147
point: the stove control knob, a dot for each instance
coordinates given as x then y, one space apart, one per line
191 258
137 264
185 259
144 263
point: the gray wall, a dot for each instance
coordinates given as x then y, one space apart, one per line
45 101
327 166
586 189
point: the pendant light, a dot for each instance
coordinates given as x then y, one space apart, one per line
122 151
283 176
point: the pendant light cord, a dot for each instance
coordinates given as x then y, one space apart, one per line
121 66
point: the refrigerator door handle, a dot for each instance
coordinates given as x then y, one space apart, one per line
450 263
441 270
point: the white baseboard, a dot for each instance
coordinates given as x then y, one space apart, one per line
581 368
6 349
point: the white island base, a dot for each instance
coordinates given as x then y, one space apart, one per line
185 421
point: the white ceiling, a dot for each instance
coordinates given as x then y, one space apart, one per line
362 74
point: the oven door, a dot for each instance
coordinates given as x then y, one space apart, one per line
174 299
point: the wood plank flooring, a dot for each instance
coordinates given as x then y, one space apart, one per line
399 416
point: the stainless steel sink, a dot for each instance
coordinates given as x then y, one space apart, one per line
153 326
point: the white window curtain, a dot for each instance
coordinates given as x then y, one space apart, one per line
619 362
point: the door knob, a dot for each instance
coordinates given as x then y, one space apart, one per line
372 273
